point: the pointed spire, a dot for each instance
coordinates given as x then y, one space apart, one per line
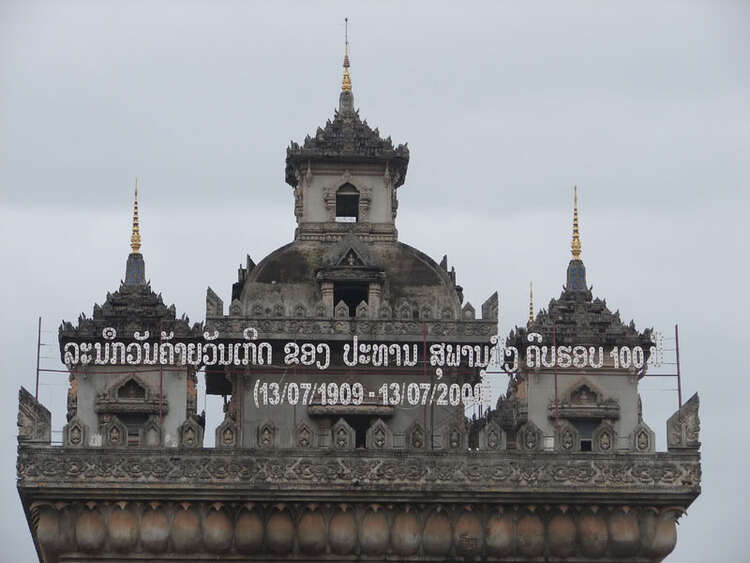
135 268
576 277
575 244
135 237
346 82
531 303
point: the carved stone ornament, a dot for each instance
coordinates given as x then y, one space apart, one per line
362 310
643 439
567 438
529 437
404 311
34 420
235 308
379 436
584 399
343 436
492 437
604 438
191 433
130 394
266 437
305 437
152 433
416 437
114 433
683 427
226 433
468 332
75 434
454 437
341 311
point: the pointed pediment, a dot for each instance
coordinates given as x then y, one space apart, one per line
350 252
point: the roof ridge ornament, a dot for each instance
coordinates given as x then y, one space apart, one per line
135 237
575 244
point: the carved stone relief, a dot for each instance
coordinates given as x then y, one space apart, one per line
305 435
227 433
379 436
75 434
266 437
643 439
114 433
529 437
683 427
567 438
343 435
604 438
415 437
492 437
191 433
34 420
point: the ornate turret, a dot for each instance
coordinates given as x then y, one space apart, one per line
134 306
345 151
578 317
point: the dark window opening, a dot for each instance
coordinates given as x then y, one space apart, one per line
360 424
585 428
351 293
347 204
134 423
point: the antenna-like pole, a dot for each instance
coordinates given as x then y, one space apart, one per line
38 353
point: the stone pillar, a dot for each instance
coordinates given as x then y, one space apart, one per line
326 288
373 299
324 433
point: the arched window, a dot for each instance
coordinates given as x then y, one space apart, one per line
347 204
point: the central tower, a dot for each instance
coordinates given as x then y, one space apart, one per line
345 177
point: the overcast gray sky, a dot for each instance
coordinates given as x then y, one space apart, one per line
505 106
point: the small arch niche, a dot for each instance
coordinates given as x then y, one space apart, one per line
347 204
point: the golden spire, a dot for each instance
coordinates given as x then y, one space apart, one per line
346 82
531 303
575 244
135 237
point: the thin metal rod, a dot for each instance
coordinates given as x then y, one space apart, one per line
557 402
161 385
424 371
38 353
679 378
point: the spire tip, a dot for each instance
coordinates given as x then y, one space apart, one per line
346 82
575 244
135 236
531 303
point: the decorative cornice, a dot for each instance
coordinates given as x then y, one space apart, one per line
310 473
323 329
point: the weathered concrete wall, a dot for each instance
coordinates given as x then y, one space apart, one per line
105 379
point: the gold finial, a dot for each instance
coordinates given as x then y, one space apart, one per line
346 82
531 303
135 237
575 244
